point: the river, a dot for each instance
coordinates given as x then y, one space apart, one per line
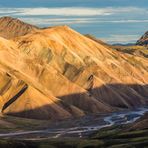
116 118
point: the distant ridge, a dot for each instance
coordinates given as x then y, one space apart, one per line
13 27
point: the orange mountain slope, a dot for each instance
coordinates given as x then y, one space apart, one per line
57 73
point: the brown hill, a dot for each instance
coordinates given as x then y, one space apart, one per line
12 27
141 124
134 50
57 73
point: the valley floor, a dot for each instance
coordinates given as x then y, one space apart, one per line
90 131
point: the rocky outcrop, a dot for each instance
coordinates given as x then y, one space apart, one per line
143 40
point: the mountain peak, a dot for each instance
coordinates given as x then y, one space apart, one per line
13 27
143 40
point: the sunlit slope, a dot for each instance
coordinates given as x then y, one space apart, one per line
83 61
57 73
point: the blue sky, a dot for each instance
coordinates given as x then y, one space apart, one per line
114 21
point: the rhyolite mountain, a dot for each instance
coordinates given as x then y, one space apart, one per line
57 73
143 40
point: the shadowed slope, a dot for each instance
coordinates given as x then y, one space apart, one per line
49 112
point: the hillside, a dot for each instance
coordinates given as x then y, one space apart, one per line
57 73
137 50
134 50
12 27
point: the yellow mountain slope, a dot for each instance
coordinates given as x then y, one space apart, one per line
57 73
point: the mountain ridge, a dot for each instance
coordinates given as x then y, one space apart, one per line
13 27
67 75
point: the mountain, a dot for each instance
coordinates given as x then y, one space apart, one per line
143 40
57 73
12 27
